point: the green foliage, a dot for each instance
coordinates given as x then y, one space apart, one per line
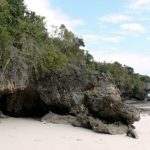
124 77
23 37
145 78
69 45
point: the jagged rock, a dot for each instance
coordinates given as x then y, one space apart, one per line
113 128
57 119
105 106
100 126
92 97
132 133
65 89
18 88
16 77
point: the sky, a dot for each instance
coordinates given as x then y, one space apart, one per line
113 30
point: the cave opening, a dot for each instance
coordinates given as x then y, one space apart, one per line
27 103
23 103
59 109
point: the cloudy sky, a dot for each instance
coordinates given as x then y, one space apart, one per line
113 30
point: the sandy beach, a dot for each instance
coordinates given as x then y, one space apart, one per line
16 134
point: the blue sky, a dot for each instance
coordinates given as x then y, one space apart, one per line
113 30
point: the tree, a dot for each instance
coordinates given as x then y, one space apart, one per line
89 58
23 36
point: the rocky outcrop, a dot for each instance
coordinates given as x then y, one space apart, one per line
18 94
100 126
77 96
132 133
58 119
94 102
83 120
104 105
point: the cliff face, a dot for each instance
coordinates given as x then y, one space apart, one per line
70 88
90 97
78 90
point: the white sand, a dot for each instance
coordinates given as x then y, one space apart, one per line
28 134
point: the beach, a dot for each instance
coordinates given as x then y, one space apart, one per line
24 133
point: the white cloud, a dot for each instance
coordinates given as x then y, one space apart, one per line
99 39
138 61
148 38
133 27
114 18
139 5
53 16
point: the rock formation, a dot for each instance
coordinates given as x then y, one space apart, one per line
58 119
42 72
88 100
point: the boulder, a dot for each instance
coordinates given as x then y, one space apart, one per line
104 105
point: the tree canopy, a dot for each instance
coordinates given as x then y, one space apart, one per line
23 37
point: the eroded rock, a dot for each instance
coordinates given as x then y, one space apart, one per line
91 101
105 106
100 126
57 119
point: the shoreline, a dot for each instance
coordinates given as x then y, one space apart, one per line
143 106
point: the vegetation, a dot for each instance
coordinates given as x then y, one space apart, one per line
129 83
23 37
